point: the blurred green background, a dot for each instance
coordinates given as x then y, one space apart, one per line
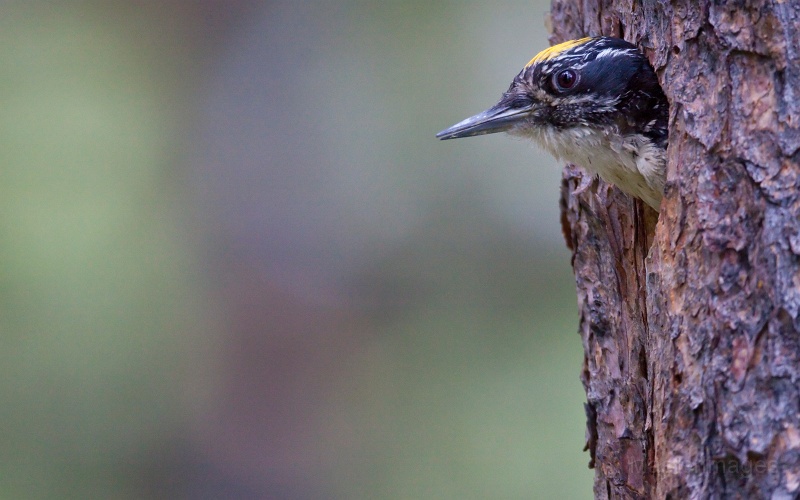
237 264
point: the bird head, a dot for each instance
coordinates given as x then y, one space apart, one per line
597 82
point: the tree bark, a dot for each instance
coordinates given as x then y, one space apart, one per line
690 319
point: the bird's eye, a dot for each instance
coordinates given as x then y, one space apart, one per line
565 79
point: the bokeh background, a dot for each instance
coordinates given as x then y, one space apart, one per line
237 264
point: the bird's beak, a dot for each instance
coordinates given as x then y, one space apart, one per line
498 118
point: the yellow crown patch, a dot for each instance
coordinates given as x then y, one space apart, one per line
555 50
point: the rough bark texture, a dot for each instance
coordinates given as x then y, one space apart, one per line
691 326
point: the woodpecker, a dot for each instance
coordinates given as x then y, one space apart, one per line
595 102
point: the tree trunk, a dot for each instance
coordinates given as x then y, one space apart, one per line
691 325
